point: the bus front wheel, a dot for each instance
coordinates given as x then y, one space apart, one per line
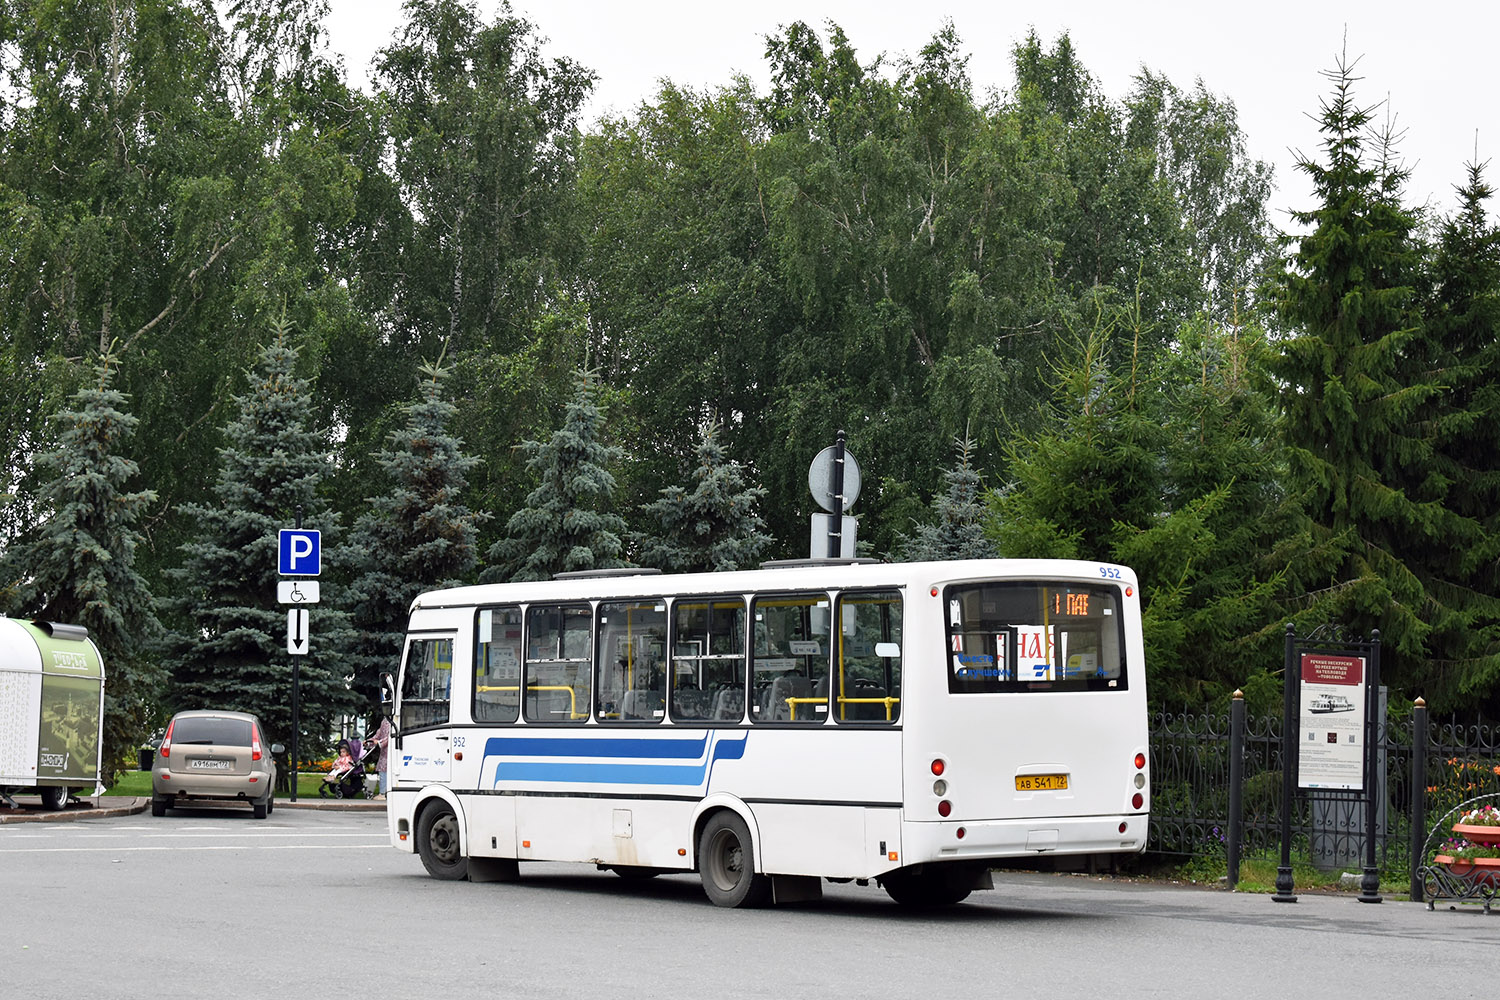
438 843
726 861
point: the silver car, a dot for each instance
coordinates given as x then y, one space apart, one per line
209 757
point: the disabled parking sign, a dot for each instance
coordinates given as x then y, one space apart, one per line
300 552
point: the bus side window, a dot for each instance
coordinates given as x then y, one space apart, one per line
497 665
425 683
708 660
558 669
632 661
791 658
867 661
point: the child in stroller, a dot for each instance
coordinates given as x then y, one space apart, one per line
346 778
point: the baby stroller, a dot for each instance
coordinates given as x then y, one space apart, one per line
348 781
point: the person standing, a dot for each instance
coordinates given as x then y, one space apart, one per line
382 737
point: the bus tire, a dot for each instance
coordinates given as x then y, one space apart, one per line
53 797
438 842
726 862
932 887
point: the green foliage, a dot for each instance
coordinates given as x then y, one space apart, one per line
417 536
567 524
713 528
227 645
958 531
78 564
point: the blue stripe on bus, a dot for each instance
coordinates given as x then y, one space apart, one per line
534 746
638 772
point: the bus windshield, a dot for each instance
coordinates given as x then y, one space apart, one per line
1034 636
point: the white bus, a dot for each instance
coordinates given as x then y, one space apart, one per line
914 724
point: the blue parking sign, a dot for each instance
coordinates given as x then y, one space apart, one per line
300 552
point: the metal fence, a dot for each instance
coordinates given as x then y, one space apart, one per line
1190 777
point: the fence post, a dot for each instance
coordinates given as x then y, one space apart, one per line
1418 795
1236 783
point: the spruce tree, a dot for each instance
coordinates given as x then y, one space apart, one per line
1462 342
566 524
78 565
959 529
1354 383
228 645
713 528
418 536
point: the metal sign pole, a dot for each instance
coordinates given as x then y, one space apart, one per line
296 721
1369 882
836 523
1284 884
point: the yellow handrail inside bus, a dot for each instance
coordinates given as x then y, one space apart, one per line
572 694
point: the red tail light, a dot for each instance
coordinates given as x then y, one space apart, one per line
166 741
938 766
1136 800
1140 761
254 742
944 808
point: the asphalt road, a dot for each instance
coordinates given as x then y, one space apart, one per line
314 903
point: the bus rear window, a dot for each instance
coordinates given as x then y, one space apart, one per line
1034 636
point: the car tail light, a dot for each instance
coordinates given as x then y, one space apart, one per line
166 741
254 742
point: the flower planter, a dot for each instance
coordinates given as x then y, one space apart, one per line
1474 871
1478 834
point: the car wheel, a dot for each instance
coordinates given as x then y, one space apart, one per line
54 798
726 862
438 843
261 809
271 803
158 806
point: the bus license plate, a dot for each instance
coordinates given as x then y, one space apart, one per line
1041 782
208 764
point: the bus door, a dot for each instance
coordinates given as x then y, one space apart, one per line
424 745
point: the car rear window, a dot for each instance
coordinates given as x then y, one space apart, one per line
209 731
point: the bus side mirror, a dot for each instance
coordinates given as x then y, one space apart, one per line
387 695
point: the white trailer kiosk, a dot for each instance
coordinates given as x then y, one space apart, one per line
51 710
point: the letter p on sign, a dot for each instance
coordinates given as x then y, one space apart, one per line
300 552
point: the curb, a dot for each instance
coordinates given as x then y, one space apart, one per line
104 806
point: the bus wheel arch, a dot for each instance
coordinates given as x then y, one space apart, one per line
439 833
726 861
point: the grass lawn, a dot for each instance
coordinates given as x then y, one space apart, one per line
138 784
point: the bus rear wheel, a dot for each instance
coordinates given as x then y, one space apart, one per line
438 843
726 861
931 887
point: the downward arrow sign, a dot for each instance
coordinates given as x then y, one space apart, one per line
296 631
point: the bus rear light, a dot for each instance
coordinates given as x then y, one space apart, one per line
959 833
1129 591
940 788
934 591
1123 826
1140 762
682 852
1140 780
945 807
1137 800
938 767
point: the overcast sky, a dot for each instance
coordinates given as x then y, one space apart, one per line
1434 60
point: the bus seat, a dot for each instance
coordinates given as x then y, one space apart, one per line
729 703
791 686
639 704
690 703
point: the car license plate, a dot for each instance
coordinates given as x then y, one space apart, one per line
1041 782
209 764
